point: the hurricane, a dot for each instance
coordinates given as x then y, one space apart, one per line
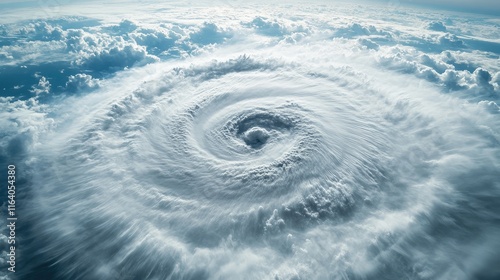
289 153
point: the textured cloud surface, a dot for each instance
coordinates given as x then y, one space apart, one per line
252 141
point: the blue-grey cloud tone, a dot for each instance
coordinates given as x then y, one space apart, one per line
237 140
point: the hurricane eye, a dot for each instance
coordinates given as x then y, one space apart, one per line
256 137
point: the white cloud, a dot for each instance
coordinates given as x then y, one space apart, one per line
278 27
80 82
41 31
436 26
303 141
209 33
450 40
114 56
355 30
491 106
43 86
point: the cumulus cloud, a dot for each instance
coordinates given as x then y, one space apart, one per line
276 27
496 81
209 33
158 41
43 86
482 77
436 26
42 31
267 27
454 80
125 26
434 62
446 68
356 29
369 44
482 82
81 82
490 106
23 122
99 49
450 40
114 56
105 48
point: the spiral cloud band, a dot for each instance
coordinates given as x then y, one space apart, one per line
197 177
271 154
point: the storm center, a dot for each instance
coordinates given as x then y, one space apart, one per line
256 137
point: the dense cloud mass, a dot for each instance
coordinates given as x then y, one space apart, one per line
251 141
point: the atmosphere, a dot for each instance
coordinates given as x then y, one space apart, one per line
250 140
481 6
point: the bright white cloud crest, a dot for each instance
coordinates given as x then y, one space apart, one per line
298 142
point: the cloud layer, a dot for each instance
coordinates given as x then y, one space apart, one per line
283 142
